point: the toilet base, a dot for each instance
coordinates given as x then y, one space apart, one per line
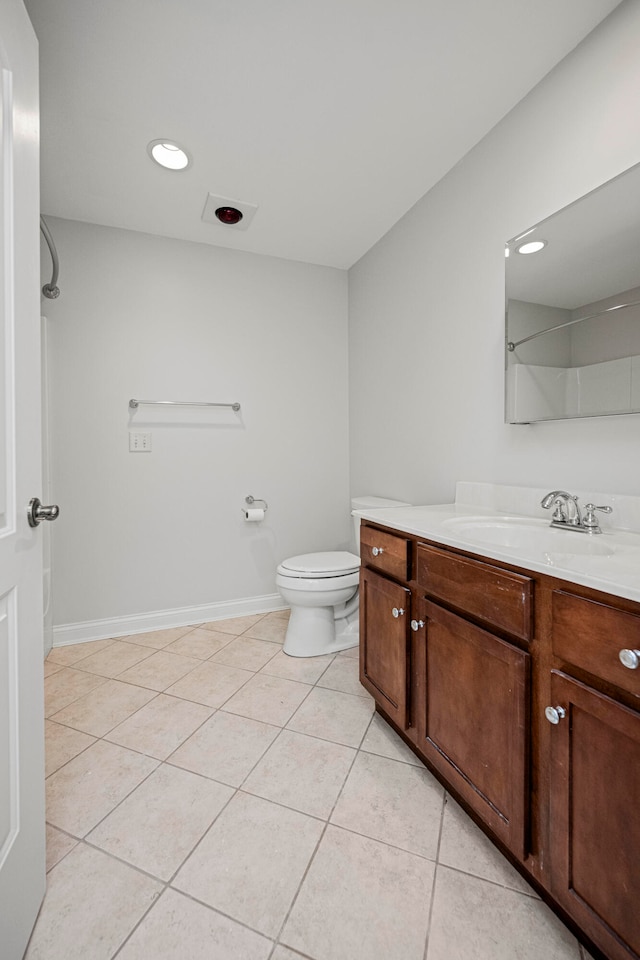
314 632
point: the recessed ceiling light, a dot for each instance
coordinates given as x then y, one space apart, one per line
168 154
532 247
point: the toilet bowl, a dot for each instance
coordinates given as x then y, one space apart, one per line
322 591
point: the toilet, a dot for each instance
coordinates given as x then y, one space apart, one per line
322 591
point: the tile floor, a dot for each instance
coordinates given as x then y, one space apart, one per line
210 798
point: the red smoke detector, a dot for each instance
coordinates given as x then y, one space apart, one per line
230 215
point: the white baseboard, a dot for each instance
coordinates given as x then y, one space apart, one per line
68 633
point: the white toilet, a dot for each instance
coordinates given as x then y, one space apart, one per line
322 591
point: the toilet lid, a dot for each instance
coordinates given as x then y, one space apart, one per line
332 564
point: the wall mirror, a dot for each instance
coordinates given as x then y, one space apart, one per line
573 309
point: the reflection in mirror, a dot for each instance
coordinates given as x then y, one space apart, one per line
573 309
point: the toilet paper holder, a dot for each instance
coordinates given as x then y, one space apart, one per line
257 508
257 500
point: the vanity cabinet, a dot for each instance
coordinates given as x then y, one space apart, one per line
472 720
594 837
385 612
385 615
466 673
472 717
594 787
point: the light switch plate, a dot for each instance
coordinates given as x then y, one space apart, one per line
139 442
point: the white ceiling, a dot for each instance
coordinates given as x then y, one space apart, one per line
334 116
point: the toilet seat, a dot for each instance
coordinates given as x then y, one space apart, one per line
317 566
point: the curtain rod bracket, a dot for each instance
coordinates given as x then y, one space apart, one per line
50 290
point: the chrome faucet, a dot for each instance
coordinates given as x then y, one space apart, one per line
567 514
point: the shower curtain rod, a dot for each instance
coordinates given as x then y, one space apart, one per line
50 290
569 323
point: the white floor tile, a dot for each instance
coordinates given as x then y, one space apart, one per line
225 748
92 904
251 862
393 802
158 824
361 899
476 920
335 716
301 772
177 928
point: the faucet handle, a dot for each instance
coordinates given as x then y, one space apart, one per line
590 520
566 508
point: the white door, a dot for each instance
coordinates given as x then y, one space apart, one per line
22 858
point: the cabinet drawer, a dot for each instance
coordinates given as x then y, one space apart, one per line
497 597
590 635
385 551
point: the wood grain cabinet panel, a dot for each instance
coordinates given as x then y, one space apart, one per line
500 598
387 552
473 720
595 823
385 660
590 635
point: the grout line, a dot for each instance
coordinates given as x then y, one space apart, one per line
80 752
103 680
200 903
320 838
122 800
385 843
125 863
171 696
200 840
140 921
76 840
435 875
493 883
101 736
111 641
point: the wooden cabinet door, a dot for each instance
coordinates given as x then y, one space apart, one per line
595 820
473 720
384 643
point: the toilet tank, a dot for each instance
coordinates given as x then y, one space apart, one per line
370 503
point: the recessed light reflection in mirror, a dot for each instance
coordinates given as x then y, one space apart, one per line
533 246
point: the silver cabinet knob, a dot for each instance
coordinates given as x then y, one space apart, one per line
376 551
555 714
417 625
397 612
37 512
630 659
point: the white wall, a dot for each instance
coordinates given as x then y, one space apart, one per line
427 302
152 318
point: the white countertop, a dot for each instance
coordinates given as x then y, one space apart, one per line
617 572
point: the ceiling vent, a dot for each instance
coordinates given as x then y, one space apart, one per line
214 204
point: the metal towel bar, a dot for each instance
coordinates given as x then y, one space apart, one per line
134 404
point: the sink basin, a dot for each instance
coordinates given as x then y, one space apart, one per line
532 536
